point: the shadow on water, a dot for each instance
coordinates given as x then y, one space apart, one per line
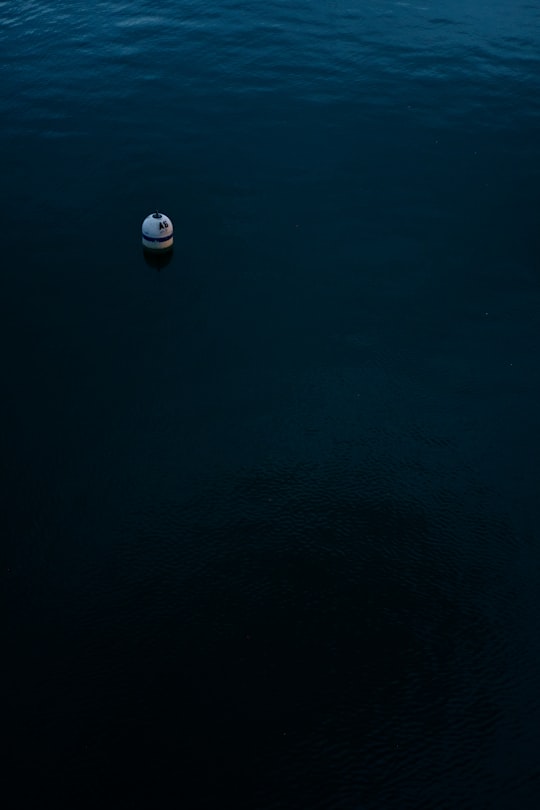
158 260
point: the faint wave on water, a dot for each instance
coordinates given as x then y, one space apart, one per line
373 54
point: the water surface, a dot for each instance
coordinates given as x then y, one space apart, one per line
270 514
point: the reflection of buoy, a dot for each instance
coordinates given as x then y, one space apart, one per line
157 232
158 259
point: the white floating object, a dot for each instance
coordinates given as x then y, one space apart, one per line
157 232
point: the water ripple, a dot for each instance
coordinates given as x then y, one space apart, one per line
314 53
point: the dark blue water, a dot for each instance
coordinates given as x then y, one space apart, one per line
270 514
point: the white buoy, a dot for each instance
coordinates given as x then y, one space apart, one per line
157 232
